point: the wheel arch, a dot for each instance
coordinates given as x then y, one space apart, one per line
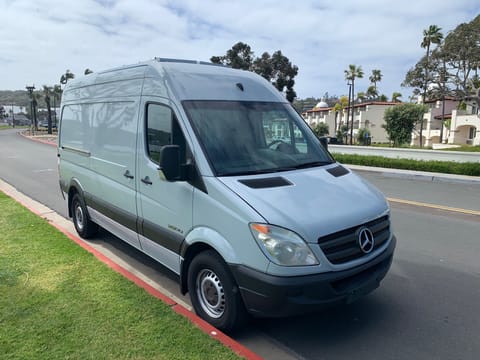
199 240
74 188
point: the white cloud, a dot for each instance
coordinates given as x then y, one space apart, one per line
41 39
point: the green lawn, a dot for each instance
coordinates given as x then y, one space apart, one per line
58 301
466 148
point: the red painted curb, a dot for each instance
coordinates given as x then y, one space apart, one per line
38 140
227 341
216 334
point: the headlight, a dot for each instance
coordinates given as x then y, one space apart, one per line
283 246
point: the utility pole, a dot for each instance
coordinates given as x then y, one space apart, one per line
348 108
30 92
13 116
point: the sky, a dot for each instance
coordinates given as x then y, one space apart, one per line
41 39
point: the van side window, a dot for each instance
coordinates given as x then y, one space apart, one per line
163 129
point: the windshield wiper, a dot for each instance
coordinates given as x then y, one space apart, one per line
313 164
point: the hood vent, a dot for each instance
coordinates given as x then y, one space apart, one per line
338 171
264 183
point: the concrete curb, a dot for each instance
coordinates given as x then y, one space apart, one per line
56 221
38 139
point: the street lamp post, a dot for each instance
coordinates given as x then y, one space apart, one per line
13 116
30 92
348 108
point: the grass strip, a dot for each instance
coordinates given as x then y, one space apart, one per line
464 148
446 167
58 301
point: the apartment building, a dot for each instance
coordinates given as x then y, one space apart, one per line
367 115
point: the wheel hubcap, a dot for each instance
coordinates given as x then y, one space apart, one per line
79 219
210 293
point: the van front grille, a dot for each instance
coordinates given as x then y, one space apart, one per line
343 246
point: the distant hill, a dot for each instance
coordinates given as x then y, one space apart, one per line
18 98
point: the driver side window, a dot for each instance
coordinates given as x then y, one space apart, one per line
162 129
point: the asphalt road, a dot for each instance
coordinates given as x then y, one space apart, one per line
426 308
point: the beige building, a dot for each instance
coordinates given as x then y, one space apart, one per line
459 126
465 126
367 115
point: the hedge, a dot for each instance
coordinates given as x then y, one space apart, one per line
446 167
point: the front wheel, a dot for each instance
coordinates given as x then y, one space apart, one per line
85 227
214 293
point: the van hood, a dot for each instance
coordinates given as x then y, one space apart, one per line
311 202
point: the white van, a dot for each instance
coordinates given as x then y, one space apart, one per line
210 171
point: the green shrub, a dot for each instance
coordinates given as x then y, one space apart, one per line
446 167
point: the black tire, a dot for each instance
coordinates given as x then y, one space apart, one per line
214 294
85 227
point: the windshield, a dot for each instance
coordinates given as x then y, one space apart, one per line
242 138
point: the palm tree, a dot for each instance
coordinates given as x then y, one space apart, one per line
372 92
57 96
361 96
353 72
432 35
375 77
36 96
47 92
67 76
396 96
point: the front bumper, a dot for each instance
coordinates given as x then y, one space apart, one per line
267 295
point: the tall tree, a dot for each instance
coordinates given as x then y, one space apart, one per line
57 97
67 76
375 77
35 97
353 72
240 56
338 108
400 121
396 96
47 93
276 68
279 71
361 96
432 35
461 49
372 92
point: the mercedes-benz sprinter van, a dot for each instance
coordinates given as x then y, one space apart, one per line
210 171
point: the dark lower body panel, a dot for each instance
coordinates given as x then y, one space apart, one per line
266 295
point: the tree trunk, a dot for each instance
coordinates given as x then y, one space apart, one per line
421 132
49 109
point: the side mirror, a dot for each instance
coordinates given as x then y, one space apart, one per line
170 162
324 142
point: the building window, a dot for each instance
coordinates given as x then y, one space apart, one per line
471 133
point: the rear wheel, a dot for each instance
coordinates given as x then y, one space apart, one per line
215 295
85 227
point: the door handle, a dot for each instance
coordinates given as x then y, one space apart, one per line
128 175
146 180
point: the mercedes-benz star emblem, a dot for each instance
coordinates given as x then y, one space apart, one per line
366 240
